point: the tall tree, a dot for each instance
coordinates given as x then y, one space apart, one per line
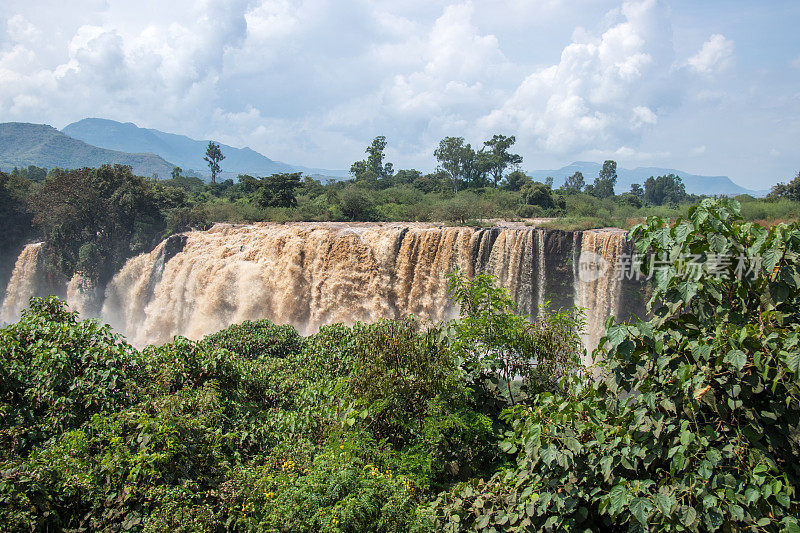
605 182
575 182
213 158
495 157
455 158
95 219
372 169
538 193
516 180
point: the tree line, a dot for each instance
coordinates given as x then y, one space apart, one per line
93 220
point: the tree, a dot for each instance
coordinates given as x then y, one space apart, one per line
494 157
106 210
213 158
406 176
278 190
15 220
662 190
575 182
356 204
455 158
605 182
789 190
433 182
537 193
637 190
372 169
176 172
516 180
32 173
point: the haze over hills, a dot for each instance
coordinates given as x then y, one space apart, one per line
93 142
184 151
695 184
23 144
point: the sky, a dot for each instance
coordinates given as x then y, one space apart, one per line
709 87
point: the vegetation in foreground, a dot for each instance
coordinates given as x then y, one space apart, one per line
689 422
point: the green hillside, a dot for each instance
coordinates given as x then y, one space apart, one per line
23 144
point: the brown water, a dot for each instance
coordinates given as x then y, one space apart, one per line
312 274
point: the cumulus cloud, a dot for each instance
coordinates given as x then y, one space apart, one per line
715 55
312 81
603 89
21 30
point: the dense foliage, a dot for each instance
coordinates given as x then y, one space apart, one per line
692 423
252 428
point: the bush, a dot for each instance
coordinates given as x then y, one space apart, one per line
56 372
499 346
258 339
460 208
356 204
530 211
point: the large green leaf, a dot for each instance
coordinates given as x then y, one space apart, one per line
664 503
737 358
618 498
640 508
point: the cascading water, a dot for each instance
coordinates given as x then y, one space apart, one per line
312 274
23 284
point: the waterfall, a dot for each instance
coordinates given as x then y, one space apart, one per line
312 274
23 284
597 281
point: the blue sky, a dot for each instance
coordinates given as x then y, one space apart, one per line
705 87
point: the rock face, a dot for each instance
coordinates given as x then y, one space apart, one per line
312 274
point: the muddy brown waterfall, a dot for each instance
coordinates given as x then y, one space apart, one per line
312 274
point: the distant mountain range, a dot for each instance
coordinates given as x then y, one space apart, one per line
93 141
184 151
695 184
23 144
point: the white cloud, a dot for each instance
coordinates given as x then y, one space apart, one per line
698 150
795 62
21 30
602 88
643 115
626 153
312 81
714 56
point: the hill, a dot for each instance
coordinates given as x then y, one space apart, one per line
23 144
695 184
184 151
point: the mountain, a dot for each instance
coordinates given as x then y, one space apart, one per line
23 144
184 151
695 184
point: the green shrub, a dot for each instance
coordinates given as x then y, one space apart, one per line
257 339
498 345
56 372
